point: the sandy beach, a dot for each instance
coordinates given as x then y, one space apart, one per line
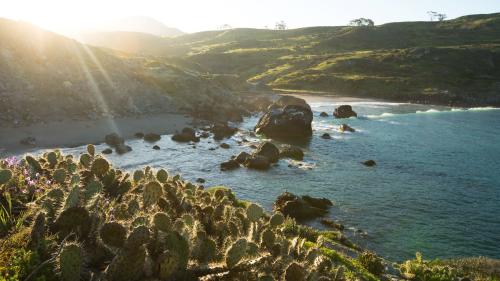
73 133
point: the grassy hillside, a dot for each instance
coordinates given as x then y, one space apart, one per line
450 62
45 76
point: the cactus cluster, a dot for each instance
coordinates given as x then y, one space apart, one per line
154 226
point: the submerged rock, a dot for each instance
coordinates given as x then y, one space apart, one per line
156 147
323 114
346 128
107 151
304 207
139 135
332 224
222 130
225 145
288 117
122 149
326 136
268 150
370 163
291 151
344 111
28 141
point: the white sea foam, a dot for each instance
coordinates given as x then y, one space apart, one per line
427 111
383 115
483 108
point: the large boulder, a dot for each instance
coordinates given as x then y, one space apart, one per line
152 137
186 135
114 140
222 130
291 151
301 208
268 150
229 165
242 157
344 111
288 117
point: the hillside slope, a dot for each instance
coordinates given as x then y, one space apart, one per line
450 62
45 76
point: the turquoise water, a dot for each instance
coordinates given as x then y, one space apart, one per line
435 189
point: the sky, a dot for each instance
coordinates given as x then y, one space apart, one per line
199 15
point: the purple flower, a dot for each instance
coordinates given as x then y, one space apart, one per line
31 182
11 161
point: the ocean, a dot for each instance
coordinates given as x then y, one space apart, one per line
435 188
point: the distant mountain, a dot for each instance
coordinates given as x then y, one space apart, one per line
140 24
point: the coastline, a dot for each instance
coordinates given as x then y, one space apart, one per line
70 133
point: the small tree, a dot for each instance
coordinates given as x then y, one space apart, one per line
362 22
281 25
435 15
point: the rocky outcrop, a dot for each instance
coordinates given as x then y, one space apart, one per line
300 208
186 135
113 140
291 151
258 162
229 165
344 111
288 117
326 136
346 128
243 157
222 130
369 163
152 137
268 150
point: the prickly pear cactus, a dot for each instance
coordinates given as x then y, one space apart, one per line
236 252
168 264
60 176
73 198
35 165
71 262
162 176
37 231
162 222
295 272
100 167
75 219
113 234
85 160
5 176
92 188
268 238
276 220
138 175
52 159
91 149
152 192
128 264
254 212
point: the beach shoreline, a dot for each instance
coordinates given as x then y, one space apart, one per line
71 133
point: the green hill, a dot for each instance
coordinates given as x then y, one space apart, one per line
450 62
47 77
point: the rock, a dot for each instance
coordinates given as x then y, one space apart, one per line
122 149
139 135
290 151
156 147
344 111
229 165
258 162
268 150
326 136
346 128
114 140
186 135
222 130
299 208
321 203
332 224
224 145
323 114
107 151
288 117
369 163
28 141
152 137
242 157
200 180
204 135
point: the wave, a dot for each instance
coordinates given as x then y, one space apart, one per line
430 111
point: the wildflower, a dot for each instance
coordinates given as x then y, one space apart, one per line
11 161
31 182
48 182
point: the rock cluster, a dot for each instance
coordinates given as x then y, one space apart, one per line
304 207
344 111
